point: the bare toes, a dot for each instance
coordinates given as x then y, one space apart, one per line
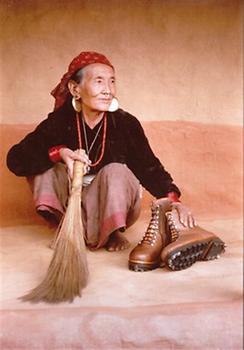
117 242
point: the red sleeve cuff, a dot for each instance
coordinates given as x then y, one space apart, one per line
173 196
54 154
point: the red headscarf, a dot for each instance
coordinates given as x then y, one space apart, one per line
61 91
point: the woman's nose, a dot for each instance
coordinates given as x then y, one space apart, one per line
106 90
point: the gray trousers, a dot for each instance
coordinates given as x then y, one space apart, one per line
112 201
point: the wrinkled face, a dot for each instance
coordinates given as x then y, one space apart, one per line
97 87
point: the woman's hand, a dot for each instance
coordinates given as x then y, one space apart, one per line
68 156
185 216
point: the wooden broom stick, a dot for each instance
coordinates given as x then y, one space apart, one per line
68 271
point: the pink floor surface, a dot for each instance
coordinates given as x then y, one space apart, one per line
197 308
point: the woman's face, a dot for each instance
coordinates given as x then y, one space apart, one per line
97 87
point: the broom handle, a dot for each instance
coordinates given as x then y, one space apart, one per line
78 173
76 186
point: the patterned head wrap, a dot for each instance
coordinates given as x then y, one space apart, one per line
61 91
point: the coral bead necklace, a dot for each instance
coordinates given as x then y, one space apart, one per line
88 150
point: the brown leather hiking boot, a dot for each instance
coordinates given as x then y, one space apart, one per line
146 255
189 245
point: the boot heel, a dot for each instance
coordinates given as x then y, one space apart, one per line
138 267
215 248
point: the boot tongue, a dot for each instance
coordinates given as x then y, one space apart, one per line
164 203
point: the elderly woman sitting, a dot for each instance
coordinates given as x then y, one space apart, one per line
118 161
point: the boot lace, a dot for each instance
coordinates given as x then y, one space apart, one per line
150 235
174 232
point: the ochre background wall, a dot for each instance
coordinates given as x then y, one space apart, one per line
179 70
175 59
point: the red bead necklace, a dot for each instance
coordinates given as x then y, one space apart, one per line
103 141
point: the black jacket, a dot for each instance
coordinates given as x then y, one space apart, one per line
125 143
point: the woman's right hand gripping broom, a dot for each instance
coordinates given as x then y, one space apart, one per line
69 157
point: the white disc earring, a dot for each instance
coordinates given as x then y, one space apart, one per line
114 105
76 104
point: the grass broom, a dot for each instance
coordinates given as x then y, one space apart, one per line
68 270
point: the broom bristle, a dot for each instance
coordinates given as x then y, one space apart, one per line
68 271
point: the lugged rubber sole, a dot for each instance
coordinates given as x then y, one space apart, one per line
140 267
185 256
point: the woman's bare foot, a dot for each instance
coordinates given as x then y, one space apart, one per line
116 242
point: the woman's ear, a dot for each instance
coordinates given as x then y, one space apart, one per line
74 88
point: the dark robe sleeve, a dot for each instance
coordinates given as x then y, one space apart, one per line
30 156
145 165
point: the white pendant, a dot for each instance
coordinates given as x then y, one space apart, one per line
114 105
